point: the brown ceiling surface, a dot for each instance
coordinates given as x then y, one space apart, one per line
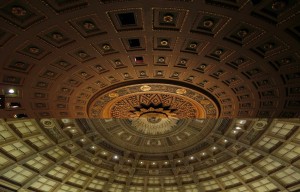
60 55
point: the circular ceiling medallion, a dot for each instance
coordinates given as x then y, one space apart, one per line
152 104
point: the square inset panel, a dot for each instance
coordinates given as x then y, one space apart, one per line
276 11
39 105
117 64
111 79
20 13
127 19
254 72
42 84
33 50
134 43
83 75
56 37
269 47
219 53
164 43
66 5
193 46
82 55
39 95
209 23
99 68
50 74
62 64
244 33
294 31
218 73
10 79
88 26
181 62
19 65
5 36
62 98
138 60
105 47
285 62
203 67
239 61
168 19
64 90
229 4
161 60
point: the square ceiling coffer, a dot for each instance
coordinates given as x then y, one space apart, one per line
134 43
127 19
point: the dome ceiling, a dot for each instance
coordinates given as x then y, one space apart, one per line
59 57
111 155
149 96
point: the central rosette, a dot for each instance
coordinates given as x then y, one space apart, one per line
153 120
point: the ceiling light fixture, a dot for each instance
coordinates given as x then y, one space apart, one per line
11 91
116 157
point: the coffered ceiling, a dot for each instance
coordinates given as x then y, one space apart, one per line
110 155
58 57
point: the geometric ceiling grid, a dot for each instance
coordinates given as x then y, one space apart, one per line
58 55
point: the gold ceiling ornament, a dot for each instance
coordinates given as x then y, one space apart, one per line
180 91
145 88
113 95
154 121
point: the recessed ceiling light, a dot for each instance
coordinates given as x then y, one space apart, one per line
225 140
203 153
116 157
166 162
192 157
242 122
153 163
238 128
178 161
11 91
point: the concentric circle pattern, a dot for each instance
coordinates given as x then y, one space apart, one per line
57 56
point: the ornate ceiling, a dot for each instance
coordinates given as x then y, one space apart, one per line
149 96
110 155
61 56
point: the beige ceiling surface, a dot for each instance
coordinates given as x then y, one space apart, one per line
59 55
72 155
